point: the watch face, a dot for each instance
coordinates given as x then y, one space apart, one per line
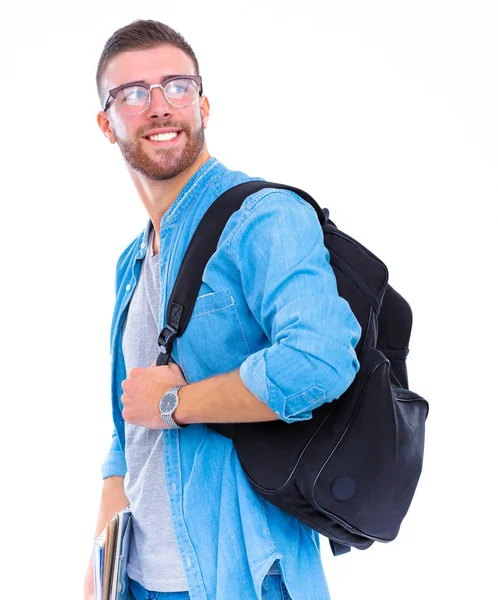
168 402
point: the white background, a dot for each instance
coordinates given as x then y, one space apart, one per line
398 138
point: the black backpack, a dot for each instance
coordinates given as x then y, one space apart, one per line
349 472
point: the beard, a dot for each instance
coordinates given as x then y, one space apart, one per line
169 162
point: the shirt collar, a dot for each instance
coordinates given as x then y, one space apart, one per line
190 192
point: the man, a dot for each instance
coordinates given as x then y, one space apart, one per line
255 348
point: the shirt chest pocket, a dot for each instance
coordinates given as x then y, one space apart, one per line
214 341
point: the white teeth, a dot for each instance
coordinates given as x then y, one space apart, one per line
163 137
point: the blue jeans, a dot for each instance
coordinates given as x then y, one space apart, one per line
273 589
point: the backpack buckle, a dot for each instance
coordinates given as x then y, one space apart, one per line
166 339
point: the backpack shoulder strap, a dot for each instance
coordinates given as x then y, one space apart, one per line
202 246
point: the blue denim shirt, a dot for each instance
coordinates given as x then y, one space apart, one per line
269 306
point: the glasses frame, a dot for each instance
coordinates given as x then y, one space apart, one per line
114 92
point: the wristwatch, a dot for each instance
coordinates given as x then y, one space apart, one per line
168 405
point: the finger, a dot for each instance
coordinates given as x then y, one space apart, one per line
135 372
154 364
176 368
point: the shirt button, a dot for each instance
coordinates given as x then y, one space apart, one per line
142 245
128 287
173 488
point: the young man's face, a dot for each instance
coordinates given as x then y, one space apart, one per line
164 159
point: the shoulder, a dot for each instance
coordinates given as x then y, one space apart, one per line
270 199
127 256
276 211
276 200
129 252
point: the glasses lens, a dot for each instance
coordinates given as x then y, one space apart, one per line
132 100
181 92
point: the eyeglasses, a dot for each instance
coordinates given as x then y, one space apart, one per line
134 98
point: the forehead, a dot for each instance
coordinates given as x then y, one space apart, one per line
148 65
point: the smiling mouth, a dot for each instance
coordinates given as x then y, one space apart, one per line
163 137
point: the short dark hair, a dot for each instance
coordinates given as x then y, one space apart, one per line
140 35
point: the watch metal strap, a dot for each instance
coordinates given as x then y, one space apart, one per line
168 419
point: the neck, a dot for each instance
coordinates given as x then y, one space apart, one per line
158 196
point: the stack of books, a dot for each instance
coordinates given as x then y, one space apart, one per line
110 557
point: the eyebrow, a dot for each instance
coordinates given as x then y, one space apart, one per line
163 78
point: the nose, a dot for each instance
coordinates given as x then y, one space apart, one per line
159 107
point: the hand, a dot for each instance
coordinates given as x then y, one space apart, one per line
143 390
89 591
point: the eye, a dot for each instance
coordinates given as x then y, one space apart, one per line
178 87
134 94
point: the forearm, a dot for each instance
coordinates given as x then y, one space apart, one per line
112 501
221 399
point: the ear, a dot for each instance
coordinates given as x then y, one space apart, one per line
205 108
105 125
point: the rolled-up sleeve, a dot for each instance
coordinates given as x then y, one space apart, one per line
115 462
291 290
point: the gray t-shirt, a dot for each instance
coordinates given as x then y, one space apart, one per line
154 560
